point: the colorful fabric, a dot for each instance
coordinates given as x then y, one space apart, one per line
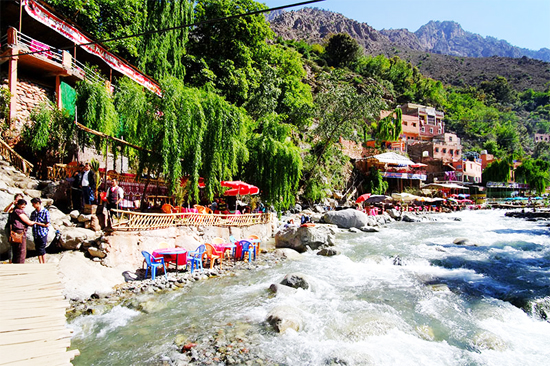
42 217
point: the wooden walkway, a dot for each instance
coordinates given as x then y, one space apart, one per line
32 316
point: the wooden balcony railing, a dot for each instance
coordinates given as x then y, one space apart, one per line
133 221
14 158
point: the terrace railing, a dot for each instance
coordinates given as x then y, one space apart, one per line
134 221
14 158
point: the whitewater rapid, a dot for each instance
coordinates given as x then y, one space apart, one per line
404 296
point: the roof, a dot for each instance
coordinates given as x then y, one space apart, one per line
392 158
445 185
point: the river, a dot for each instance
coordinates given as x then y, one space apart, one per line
404 296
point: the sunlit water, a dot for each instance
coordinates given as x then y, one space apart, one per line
364 308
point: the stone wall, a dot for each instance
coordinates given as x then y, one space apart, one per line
124 248
29 96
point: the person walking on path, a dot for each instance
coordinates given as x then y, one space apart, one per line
19 222
88 184
41 216
9 208
115 195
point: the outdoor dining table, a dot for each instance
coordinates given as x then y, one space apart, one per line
169 253
226 246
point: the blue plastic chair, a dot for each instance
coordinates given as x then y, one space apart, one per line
153 263
195 257
233 241
247 247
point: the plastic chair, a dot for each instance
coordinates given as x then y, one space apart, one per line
247 247
256 240
195 258
153 263
218 241
212 254
166 208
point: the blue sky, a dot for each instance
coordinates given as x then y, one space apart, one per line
523 23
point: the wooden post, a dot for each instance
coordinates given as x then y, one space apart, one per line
12 71
58 100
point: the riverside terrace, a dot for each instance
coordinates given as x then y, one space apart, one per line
135 221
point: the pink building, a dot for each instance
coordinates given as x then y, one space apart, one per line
445 147
428 119
468 171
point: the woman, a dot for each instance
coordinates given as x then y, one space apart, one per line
8 210
19 222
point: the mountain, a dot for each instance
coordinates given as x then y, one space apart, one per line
457 57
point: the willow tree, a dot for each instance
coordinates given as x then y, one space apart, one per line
275 164
96 110
161 54
202 135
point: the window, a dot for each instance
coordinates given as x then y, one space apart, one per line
423 129
450 138
439 130
437 149
444 151
457 152
405 123
451 151
414 124
431 130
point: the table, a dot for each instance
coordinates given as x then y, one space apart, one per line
169 253
226 246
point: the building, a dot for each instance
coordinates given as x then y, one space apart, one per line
445 147
468 171
542 137
486 159
39 60
428 120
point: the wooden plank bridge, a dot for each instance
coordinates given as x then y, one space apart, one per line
32 316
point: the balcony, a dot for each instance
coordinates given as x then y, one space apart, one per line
50 60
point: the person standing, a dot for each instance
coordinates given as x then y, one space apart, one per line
115 195
19 222
87 185
9 209
76 191
41 216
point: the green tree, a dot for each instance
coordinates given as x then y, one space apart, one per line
106 19
275 163
342 50
389 128
161 54
49 135
375 183
536 173
497 171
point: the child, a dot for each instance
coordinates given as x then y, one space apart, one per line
40 231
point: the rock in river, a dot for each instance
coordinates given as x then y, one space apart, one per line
349 218
282 318
296 280
302 238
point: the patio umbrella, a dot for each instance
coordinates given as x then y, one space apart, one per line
239 188
404 197
362 198
377 199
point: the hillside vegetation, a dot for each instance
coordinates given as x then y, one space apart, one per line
271 111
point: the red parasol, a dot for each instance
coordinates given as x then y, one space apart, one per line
362 198
239 188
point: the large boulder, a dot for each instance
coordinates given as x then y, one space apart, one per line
282 318
302 238
349 218
74 236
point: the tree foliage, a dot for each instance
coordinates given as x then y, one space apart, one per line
342 50
497 171
50 135
375 183
536 173
275 163
390 127
161 54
